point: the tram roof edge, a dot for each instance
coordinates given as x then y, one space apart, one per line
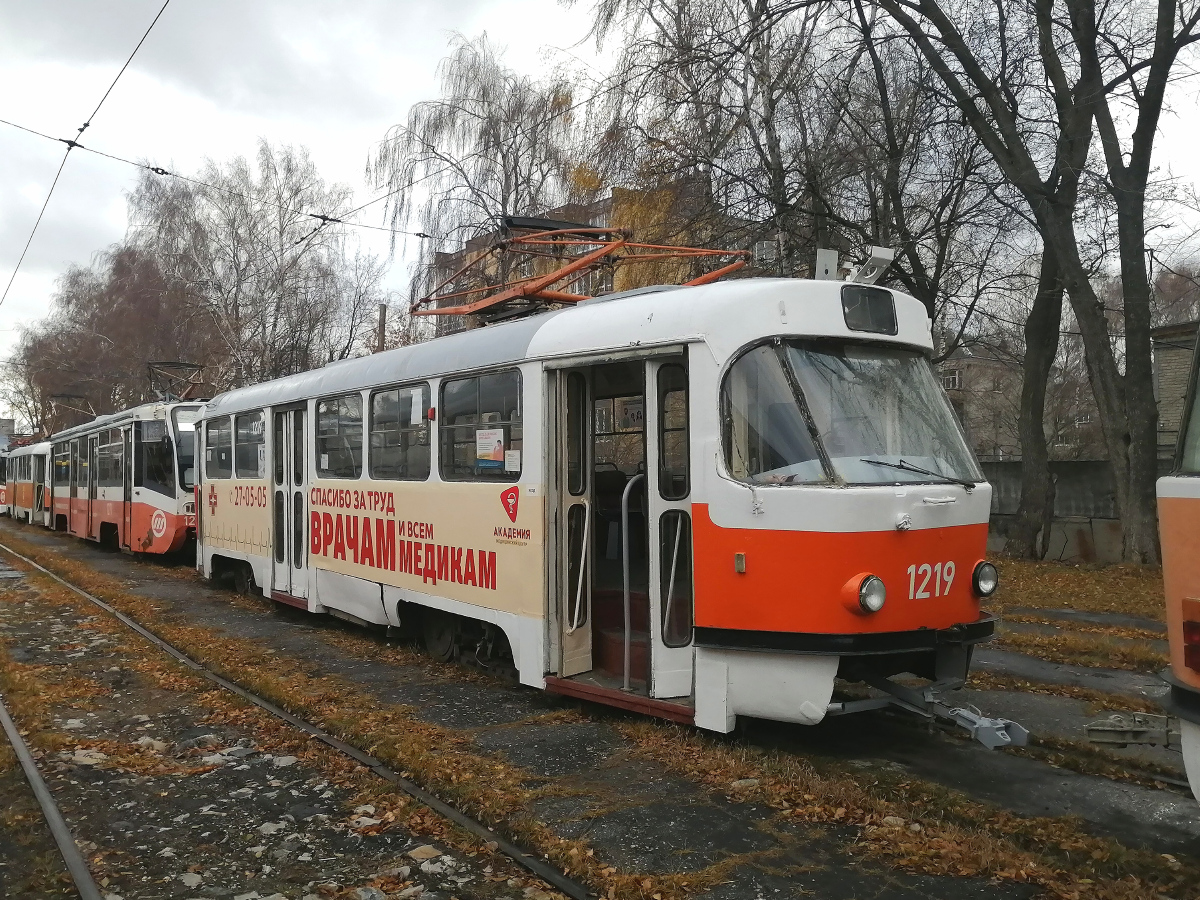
725 314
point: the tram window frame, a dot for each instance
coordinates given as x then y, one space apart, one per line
110 454
154 467
339 451
250 447
403 431
670 476
3 470
62 469
76 469
218 448
463 436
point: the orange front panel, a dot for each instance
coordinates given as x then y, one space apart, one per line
1179 527
24 495
793 580
157 531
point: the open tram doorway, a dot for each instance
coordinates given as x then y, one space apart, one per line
289 508
620 483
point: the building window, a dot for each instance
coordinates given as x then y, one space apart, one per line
480 428
952 379
340 437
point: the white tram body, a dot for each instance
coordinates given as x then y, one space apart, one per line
27 488
699 502
125 479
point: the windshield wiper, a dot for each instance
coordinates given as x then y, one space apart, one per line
909 467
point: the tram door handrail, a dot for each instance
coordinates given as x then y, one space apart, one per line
576 619
625 568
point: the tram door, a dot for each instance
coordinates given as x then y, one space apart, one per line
289 509
127 487
93 471
573 581
76 482
668 506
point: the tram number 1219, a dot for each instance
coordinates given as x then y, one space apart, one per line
941 574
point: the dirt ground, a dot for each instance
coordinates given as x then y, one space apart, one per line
873 807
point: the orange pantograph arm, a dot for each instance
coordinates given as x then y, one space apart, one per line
528 288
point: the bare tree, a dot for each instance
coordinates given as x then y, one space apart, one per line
284 290
1087 63
490 146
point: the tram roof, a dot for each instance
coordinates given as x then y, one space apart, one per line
725 315
29 449
110 419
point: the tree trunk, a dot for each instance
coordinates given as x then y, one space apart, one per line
1036 508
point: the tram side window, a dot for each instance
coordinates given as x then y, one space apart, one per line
766 438
3 470
340 437
218 448
480 428
155 468
400 433
62 465
250 448
108 460
673 432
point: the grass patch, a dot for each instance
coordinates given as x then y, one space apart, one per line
1128 590
1071 648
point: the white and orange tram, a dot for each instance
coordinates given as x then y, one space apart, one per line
126 479
27 483
698 502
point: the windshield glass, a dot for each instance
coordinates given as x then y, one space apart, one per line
786 405
185 440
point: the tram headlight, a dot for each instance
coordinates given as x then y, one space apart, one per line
871 594
985 579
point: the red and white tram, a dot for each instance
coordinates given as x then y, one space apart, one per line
27 488
125 479
700 502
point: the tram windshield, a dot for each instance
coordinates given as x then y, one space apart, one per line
184 418
876 414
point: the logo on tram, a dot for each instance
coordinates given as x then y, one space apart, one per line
508 499
158 523
212 498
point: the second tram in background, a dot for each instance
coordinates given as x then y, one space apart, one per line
1179 529
125 479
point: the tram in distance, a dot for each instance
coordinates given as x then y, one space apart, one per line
698 502
25 471
123 479
1179 532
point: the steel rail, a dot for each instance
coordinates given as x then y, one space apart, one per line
532 864
77 867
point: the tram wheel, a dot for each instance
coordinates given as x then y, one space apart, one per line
440 631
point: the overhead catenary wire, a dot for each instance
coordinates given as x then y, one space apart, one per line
71 145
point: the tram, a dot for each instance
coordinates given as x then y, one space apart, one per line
125 479
27 488
1179 531
700 502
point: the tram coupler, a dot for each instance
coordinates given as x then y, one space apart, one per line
1132 728
991 732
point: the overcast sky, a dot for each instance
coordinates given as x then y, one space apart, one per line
216 75
210 80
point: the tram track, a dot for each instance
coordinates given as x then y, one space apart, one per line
77 867
219 629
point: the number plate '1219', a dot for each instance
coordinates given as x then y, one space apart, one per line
928 580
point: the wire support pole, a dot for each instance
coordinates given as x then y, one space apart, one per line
530 863
77 867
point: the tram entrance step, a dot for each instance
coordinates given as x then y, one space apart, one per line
609 653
